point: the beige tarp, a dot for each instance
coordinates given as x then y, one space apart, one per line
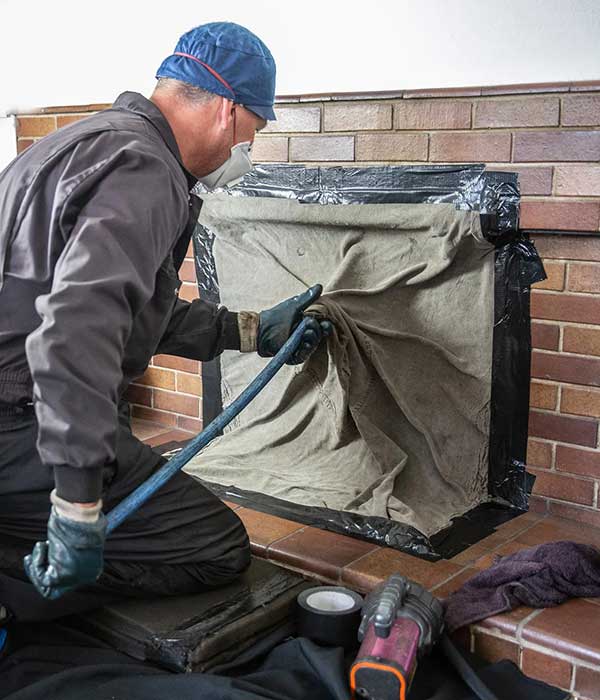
392 417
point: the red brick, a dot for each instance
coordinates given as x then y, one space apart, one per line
538 505
580 402
587 683
139 394
270 149
555 280
579 514
565 368
546 668
189 292
187 271
585 86
189 383
385 147
551 426
578 461
569 247
525 88
553 146
580 110
70 119
151 414
432 114
23 144
584 277
442 92
560 215
562 487
544 335
538 111
180 363
66 109
169 401
317 148
532 180
194 425
294 119
584 341
543 395
469 147
577 180
35 126
539 453
565 307
494 649
163 378
357 117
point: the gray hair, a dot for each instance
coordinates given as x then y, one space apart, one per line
185 91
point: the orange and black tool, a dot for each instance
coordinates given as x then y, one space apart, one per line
401 622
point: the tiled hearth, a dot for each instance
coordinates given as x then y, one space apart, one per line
559 645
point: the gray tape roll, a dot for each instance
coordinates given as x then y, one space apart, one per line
329 615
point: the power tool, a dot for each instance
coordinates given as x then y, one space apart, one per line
401 621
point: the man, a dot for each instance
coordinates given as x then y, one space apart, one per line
95 220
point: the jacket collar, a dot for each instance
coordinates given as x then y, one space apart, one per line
134 102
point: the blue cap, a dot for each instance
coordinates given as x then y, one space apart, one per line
228 60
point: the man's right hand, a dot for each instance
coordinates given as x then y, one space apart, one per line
72 555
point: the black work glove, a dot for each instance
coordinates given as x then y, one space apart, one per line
71 556
277 324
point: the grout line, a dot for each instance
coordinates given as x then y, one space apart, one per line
521 626
283 537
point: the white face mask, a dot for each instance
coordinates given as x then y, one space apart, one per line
233 169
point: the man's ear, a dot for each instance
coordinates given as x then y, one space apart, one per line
225 114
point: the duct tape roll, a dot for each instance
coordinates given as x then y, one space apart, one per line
329 615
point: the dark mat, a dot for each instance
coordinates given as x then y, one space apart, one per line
203 631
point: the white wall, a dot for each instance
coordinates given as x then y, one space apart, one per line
74 52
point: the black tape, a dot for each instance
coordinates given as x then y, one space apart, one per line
329 615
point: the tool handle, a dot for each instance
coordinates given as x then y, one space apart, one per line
143 492
391 597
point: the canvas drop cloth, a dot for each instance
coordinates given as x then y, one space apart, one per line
391 417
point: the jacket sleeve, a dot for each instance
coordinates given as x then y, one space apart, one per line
116 237
200 330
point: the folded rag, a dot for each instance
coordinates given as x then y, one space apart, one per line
541 577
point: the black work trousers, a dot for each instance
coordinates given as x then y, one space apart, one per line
183 540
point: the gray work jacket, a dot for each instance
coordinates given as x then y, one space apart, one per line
95 220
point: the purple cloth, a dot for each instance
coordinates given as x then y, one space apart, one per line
541 577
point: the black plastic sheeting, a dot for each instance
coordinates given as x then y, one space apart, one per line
517 266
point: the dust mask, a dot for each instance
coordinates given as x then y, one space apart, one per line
233 169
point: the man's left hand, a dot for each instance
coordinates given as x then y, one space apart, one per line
275 326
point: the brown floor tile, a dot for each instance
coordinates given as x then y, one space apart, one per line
170 436
547 668
507 622
587 682
443 590
502 551
521 522
321 552
485 546
229 504
144 429
552 529
367 572
264 529
572 628
495 649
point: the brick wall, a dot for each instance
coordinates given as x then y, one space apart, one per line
550 135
